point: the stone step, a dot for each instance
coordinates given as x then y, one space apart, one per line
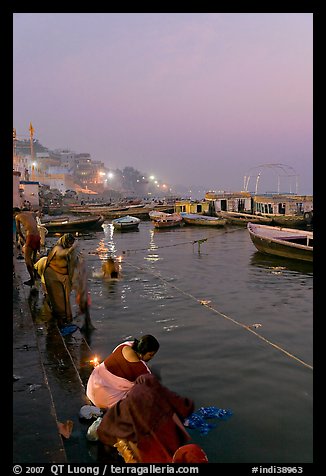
50 374
35 434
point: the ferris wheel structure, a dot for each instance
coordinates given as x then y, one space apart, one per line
285 174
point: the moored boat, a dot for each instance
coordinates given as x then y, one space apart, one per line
113 212
67 225
285 242
126 223
238 218
165 220
202 220
289 221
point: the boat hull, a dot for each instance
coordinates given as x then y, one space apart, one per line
166 224
125 227
203 220
74 226
165 220
289 221
235 218
279 244
127 223
112 212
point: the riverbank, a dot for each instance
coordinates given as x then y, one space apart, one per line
48 387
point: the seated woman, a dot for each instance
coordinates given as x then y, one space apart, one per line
110 381
147 422
110 269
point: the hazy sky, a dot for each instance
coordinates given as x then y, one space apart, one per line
193 98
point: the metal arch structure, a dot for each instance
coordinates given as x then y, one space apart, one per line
282 170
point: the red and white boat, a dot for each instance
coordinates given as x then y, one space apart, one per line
165 220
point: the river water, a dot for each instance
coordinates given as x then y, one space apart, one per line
235 328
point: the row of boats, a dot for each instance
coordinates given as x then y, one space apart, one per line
275 240
169 220
128 222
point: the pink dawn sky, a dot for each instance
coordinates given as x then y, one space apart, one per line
193 98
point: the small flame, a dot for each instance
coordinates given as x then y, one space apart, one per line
94 361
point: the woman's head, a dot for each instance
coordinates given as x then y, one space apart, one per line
146 347
66 240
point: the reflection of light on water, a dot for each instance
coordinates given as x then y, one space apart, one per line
277 269
170 328
102 249
108 231
124 296
106 246
97 274
152 258
152 247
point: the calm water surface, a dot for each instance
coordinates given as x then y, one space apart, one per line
197 298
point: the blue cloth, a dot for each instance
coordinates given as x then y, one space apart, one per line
66 330
197 420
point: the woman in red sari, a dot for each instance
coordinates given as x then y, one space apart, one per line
150 418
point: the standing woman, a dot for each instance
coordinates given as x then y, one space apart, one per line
58 277
115 376
26 220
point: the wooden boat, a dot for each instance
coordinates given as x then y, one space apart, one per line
126 223
285 242
165 220
67 225
113 212
203 220
289 221
237 218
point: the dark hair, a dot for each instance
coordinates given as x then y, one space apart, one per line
67 240
146 343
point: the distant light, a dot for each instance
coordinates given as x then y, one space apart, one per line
151 177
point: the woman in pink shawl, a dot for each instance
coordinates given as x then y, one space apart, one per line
110 381
149 420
